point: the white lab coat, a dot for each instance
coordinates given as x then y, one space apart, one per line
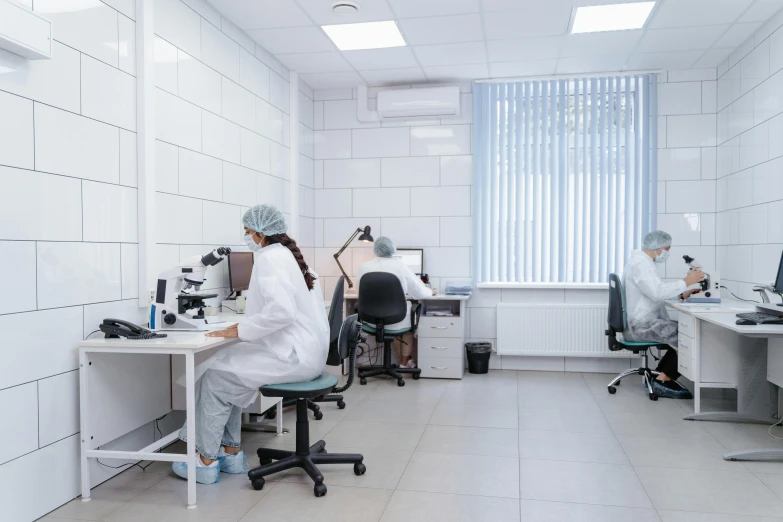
411 283
285 332
645 294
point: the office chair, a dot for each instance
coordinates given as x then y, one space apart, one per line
306 456
382 302
335 322
617 324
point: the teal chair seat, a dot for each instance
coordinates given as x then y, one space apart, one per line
321 385
635 344
369 328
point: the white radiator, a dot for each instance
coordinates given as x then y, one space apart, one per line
563 330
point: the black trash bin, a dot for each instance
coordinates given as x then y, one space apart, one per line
478 357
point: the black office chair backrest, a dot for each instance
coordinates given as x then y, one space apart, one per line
381 299
335 323
616 315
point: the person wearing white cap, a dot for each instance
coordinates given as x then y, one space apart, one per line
646 314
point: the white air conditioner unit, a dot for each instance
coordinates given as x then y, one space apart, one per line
422 102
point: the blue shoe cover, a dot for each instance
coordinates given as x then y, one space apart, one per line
236 463
204 474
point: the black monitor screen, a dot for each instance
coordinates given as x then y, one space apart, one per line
779 279
240 268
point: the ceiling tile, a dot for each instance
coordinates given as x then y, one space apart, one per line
336 80
293 40
761 11
442 29
528 5
374 59
689 13
417 8
591 64
524 49
670 60
451 54
262 14
457 72
369 11
680 39
736 35
539 20
314 62
598 44
516 69
394 76
712 58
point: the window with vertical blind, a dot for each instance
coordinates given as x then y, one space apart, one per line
565 177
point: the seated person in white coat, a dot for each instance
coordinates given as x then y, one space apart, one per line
646 314
285 338
412 285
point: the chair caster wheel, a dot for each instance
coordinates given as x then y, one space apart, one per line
341 405
401 383
318 415
362 381
265 461
359 469
612 390
618 383
271 414
319 490
258 484
416 376
653 397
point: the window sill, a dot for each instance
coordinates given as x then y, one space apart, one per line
546 286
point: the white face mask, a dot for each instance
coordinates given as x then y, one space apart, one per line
251 244
662 257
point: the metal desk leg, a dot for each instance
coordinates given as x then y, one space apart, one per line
730 416
84 434
190 399
279 418
761 454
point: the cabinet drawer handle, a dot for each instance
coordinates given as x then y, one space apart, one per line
439 367
439 347
439 327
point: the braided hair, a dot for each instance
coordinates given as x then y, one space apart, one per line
290 244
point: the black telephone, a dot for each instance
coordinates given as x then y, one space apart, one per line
114 328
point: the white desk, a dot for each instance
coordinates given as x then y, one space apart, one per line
715 352
441 340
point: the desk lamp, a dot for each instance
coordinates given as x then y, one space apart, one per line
365 237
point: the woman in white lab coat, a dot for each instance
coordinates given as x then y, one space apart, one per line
285 338
412 285
645 309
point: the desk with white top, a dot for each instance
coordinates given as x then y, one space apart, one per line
715 352
119 390
441 340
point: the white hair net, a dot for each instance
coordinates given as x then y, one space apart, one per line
266 219
384 247
656 239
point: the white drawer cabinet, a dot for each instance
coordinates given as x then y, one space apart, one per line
440 348
685 325
441 327
441 368
685 356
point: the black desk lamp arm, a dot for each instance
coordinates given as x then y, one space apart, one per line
339 253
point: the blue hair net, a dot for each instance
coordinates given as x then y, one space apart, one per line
266 219
384 247
656 239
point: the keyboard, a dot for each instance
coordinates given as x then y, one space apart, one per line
761 318
147 336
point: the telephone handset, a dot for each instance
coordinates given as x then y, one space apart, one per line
114 328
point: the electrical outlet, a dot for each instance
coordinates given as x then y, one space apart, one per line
152 296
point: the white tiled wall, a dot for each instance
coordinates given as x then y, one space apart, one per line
750 155
68 224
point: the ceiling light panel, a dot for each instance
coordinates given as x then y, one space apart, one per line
615 17
369 35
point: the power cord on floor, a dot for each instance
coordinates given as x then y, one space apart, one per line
778 423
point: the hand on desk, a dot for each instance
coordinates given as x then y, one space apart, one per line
686 294
232 332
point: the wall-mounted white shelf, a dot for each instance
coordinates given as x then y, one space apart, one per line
24 33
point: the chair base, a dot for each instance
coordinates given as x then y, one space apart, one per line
387 368
305 457
644 371
311 405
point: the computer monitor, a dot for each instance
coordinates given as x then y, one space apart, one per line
413 258
240 268
779 278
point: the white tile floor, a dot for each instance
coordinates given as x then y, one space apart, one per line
508 446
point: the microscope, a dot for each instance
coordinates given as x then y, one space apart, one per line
709 291
178 293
